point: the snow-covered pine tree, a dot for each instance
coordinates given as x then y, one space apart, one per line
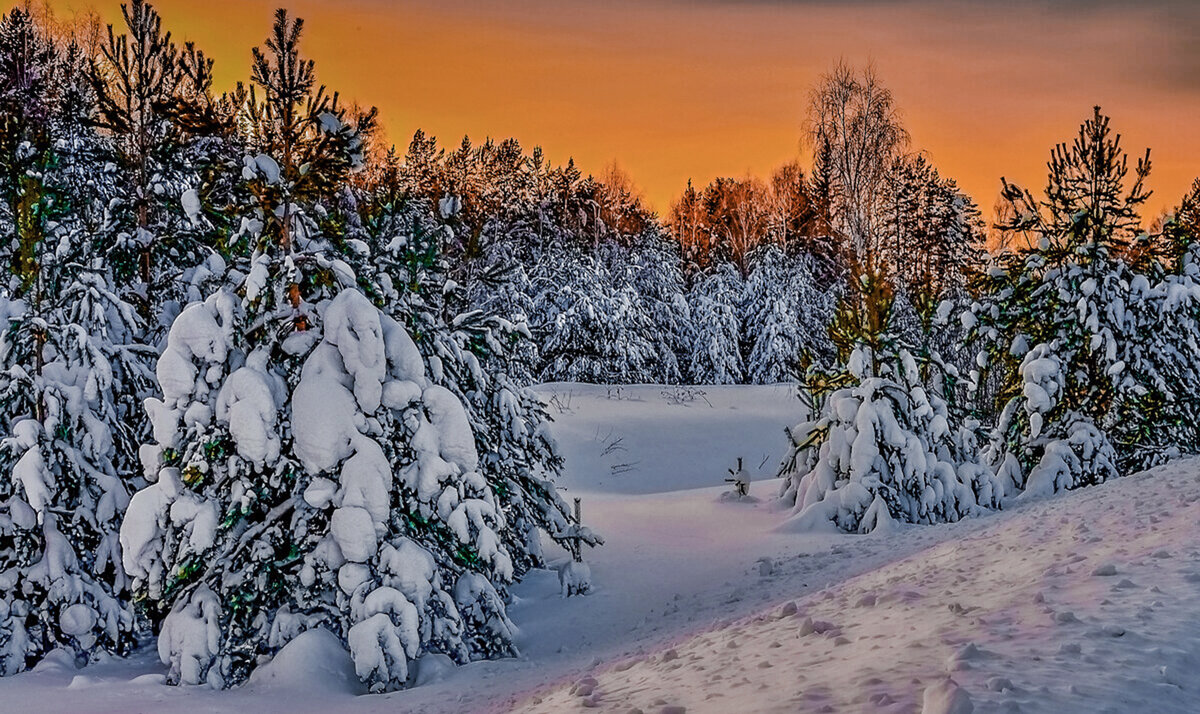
595 329
657 279
341 494
1071 451
67 355
881 448
153 101
1083 343
474 354
1187 216
884 442
1178 234
306 470
64 583
771 324
786 317
716 355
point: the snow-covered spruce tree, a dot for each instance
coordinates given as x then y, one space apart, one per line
65 355
1072 451
595 329
777 344
474 334
882 448
358 509
306 471
716 356
771 324
1085 342
657 278
786 317
884 441
474 354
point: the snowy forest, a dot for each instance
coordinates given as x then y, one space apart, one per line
265 372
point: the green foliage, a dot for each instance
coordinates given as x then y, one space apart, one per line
864 314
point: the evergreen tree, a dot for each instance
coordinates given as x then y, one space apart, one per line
1079 337
882 448
657 280
307 469
474 354
153 100
933 234
688 227
67 359
595 329
1179 233
716 356
786 316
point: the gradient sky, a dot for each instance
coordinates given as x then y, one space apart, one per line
672 90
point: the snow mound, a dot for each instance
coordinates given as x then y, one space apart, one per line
314 661
946 697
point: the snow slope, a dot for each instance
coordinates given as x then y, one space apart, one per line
1087 602
684 571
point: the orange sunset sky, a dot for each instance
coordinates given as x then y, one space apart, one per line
673 90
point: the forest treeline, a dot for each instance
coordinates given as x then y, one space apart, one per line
262 373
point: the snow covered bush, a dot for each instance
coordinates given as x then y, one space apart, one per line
882 448
574 578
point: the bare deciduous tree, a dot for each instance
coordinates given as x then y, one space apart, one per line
853 116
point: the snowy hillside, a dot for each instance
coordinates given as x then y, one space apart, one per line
1086 602
690 590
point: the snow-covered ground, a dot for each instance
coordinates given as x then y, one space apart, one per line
1087 602
655 439
700 603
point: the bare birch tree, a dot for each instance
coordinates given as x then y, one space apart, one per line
853 116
